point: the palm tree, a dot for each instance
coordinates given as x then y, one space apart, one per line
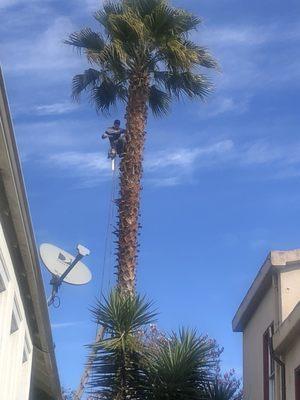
143 58
128 367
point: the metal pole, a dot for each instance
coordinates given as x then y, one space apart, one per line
69 269
57 281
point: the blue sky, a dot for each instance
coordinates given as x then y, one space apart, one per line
221 185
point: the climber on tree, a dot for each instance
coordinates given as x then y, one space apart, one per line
116 137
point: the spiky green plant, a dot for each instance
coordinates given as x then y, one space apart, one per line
142 57
225 387
117 365
127 367
183 367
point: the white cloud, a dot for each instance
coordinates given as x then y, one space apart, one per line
165 182
249 35
263 153
237 35
60 325
55 109
85 163
225 105
185 157
45 53
245 54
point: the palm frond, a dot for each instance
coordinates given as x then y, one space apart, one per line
142 37
182 367
107 94
203 57
185 22
86 39
184 83
126 27
225 388
159 101
143 7
124 313
117 369
109 8
176 55
90 78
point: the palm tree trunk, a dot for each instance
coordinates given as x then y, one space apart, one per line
131 171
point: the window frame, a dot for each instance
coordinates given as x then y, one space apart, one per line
16 317
268 365
4 276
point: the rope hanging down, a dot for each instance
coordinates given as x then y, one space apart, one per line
107 258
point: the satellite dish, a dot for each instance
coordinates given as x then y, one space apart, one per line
57 261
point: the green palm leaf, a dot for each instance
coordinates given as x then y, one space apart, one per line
86 39
159 101
118 364
143 37
182 368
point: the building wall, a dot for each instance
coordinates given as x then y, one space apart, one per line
15 340
253 346
292 362
290 292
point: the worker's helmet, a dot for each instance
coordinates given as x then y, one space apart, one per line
117 122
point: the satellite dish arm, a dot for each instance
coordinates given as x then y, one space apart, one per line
69 269
58 280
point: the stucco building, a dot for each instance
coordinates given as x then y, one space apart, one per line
269 318
27 361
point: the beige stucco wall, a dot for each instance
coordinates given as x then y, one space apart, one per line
292 361
290 290
253 346
15 369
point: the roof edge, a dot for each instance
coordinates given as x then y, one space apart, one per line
276 259
20 214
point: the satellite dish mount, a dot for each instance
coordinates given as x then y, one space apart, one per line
64 268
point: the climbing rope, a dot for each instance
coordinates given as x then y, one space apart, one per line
107 256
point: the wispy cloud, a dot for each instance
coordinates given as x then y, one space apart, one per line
46 52
245 53
175 167
55 109
88 168
61 325
225 105
185 157
86 163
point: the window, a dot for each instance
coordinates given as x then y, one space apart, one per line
15 318
27 349
297 383
3 275
269 365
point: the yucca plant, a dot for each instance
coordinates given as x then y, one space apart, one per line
117 371
183 367
142 57
225 387
127 366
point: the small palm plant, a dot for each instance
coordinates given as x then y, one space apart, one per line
128 367
226 387
182 368
142 57
117 364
